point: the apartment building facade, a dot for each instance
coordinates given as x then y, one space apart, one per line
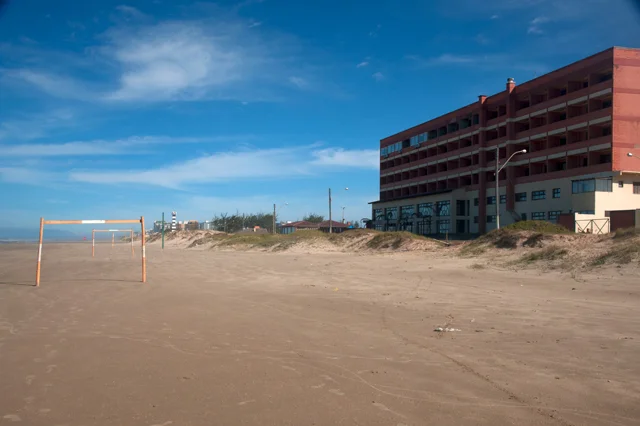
579 126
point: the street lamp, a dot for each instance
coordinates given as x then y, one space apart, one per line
330 222
343 207
274 215
498 169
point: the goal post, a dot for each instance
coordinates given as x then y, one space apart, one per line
113 233
93 222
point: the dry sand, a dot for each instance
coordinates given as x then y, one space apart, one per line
233 338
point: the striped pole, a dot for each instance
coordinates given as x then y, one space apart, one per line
93 243
173 221
39 252
144 252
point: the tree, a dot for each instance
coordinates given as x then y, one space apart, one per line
356 224
313 218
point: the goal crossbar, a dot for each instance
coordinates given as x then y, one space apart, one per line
93 222
113 238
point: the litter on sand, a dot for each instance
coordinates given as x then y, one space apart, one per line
446 329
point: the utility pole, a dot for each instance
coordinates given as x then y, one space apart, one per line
274 218
330 222
162 230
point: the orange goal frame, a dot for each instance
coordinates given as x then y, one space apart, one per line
91 222
113 233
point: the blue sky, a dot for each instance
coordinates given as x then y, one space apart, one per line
115 109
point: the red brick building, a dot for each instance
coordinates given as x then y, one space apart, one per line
579 125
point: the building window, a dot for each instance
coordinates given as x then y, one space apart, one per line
443 208
503 199
377 213
491 218
491 200
392 213
523 216
407 212
553 215
521 196
586 212
443 226
591 185
538 216
383 152
398 146
538 195
556 192
636 187
425 209
475 219
476 202
620 184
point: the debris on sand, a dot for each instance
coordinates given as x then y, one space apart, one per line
446 329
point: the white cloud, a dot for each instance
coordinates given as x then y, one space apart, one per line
535 25
26 127
299 82
365 158
378 76
486 62
174 60
215 57
495 17
362 64
28 176
130 11
129 146
225 166
239 165
52 84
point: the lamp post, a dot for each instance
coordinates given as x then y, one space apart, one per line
330 217
343 207
498 170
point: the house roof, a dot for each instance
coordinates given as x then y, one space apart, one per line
300 224
334 224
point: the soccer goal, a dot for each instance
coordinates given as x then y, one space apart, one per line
92 222
113 238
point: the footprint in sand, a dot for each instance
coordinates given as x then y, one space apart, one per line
12 418
336 392
29 379
51 367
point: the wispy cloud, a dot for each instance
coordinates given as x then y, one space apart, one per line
34 126
486 62
221 56
535 26
362 64
378 76
130 11
130 146
365 158
299 82
493 17
254 164
482 39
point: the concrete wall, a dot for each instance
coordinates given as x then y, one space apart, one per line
626 109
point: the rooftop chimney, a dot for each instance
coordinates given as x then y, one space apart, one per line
511 84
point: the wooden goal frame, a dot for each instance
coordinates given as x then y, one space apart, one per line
113 241
92 222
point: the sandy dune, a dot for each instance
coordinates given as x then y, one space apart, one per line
233 338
